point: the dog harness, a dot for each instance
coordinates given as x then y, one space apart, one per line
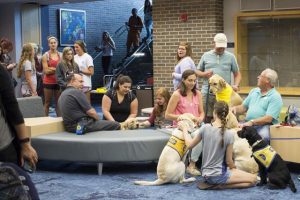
225 95
265 155
178 145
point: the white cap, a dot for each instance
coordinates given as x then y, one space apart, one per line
220 40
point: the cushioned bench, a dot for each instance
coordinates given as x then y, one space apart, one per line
102 146
96 147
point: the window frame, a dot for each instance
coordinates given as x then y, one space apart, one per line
285 91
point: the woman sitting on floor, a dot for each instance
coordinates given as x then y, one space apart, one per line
120 104
217 148
157 117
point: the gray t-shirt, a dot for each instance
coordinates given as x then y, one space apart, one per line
213 155
73 105
5 134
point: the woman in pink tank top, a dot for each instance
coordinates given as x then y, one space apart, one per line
49 61
187 99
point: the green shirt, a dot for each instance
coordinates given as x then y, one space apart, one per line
259 105
222 65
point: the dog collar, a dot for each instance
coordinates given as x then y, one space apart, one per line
258 141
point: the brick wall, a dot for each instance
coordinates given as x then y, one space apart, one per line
205 19
101 16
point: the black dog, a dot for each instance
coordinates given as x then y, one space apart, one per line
272 166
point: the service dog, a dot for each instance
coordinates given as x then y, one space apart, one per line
171 167
270 163
242 155
224 92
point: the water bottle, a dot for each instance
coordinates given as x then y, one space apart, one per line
79 129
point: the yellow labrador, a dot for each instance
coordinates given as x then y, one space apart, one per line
224 91
171 167
242 155
130 124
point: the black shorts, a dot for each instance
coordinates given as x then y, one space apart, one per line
51 86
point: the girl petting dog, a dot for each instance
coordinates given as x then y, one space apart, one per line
217 148
157 117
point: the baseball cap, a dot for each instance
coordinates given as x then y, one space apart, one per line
220 40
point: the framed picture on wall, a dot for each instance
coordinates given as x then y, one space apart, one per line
72 26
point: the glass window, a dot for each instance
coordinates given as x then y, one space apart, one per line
271 41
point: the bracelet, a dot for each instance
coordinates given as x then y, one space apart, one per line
24 140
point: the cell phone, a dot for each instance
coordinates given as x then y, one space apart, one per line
27 167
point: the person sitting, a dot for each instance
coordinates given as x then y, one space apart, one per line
76 109
157 117
66 67
263 104
120 104
187 99
217 148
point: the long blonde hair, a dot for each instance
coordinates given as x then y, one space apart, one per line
25 55
65 52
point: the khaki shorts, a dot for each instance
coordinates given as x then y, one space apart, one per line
210 105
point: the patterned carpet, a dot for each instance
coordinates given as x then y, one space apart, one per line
58 180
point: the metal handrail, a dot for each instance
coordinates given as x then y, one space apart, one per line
116 34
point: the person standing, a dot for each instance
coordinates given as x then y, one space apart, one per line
221 62
6 47
107 46
86 66
184 62
27 72
77 110
187 99
148 17
66 67
263 104
135 27
50 60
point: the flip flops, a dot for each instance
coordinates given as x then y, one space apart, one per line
206 186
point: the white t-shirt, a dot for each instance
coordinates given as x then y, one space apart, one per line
84 61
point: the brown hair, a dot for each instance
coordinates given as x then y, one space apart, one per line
182 86
188 48
121 80
221 109
25 55
159 109
6 44
82 45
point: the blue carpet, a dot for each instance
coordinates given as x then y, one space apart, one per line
59 180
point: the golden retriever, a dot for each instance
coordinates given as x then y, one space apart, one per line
171 167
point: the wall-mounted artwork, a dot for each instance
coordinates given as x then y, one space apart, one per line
72 26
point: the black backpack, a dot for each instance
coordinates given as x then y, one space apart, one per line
11 186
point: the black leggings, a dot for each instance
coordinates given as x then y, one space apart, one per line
105 64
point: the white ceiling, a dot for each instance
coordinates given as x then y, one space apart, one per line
45 2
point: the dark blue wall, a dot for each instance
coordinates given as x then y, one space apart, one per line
108 15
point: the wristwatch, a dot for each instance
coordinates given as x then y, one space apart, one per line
252 121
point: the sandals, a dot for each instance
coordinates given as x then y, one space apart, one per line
206 186
193 171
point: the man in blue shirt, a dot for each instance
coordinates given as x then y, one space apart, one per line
221 62
262 105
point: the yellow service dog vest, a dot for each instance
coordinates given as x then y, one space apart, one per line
178 145
225 95
265 155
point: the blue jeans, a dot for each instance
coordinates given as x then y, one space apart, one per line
221 179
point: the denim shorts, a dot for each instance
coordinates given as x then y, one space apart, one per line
221 179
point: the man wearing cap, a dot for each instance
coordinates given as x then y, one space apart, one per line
221 62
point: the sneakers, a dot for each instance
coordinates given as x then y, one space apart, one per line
299 177
193 171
